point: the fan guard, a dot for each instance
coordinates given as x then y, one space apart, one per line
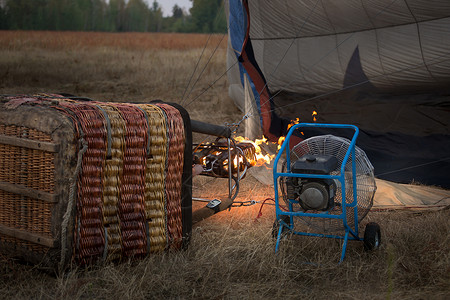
365 181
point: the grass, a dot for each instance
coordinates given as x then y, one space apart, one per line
116 67
231 255
58 41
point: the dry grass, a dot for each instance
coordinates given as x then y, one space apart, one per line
57 41
116 66
232 254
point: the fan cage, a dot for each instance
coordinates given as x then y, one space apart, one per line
365 183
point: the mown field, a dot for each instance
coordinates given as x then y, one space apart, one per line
231 255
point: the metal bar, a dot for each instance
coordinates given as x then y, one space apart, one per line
341 178
27 143
300 175
280 231
211 129
238 166
331 236
320 215
355 192
230 171
201 199
344 246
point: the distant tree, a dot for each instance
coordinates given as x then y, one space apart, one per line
137 13
2 18
21 14
177 12
101 15
156 17
178 22
93 14
70 16
206 16
110 15
220 21
181 25
117 14
52 15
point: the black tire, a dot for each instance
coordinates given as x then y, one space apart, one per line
372 236
276 226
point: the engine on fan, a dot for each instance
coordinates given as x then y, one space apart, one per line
313 193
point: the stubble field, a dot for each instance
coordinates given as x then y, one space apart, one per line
231 255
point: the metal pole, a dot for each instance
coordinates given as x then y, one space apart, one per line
230 171
211 129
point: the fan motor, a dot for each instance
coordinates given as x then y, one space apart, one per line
313 193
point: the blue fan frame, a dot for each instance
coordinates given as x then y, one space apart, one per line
349 233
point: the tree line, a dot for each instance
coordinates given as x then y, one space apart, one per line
205 16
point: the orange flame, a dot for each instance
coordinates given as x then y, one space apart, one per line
282 138
280 142
235 163
260 158
314 114
293 122
264 159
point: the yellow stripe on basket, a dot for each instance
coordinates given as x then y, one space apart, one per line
155 207
174 173
111 182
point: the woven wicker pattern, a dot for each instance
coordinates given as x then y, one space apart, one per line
25 132
131 204
25 213
29 167
174 173
155 207
111 183
90 239
126 188
33 169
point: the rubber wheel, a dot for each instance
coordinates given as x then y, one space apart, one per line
372 236
276 226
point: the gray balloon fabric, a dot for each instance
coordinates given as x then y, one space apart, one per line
312 47
383 65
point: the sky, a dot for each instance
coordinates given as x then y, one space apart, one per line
167 5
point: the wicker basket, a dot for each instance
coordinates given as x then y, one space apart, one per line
86 181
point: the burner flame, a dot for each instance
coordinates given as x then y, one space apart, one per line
260 158
282 138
